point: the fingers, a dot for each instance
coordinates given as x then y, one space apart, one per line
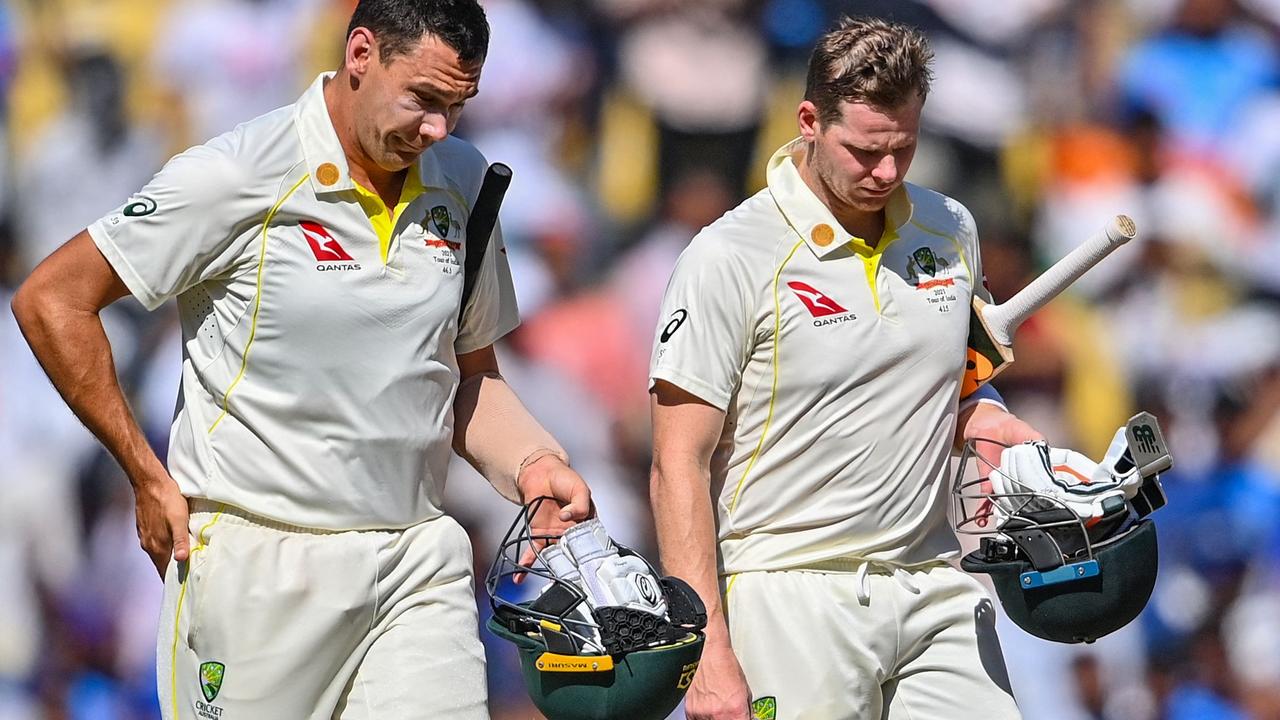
178 532
527 558
578 505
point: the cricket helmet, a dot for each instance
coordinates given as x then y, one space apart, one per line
1067 542
606 637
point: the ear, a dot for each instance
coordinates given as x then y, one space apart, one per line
362 50
807 118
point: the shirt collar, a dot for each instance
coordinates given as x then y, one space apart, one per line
326 160
812 219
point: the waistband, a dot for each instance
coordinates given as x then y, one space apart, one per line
860 568
224 512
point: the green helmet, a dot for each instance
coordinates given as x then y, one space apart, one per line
640 685
606 638
1095 598
1067 542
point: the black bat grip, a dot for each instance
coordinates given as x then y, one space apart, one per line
484 216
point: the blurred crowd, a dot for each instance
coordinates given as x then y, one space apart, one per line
630 125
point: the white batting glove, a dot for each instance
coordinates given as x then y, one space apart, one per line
1035 477
607 577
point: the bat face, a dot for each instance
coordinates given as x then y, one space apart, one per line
985 357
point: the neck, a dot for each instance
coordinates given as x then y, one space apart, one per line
339 101
867 225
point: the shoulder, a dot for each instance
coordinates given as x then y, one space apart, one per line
745 244
753 232
454 162
939 214
253 157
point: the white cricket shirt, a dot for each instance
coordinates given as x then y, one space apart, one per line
838 366
319 327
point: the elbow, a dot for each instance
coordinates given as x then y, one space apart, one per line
25 306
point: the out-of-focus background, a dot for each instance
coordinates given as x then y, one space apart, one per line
630 125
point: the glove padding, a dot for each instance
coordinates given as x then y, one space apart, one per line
608 577
619 587
1034 477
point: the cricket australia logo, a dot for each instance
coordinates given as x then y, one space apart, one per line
924 263
934 275
443 223
211 679
211 674
765 708
444 239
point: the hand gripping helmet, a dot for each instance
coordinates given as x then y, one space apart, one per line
606 638
1067 542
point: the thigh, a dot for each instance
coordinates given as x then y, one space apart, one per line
262 622
424 657
953 668
804 639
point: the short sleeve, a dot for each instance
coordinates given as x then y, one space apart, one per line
179 230
704 332
491 312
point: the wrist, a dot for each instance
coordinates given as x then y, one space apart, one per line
981 415
535 466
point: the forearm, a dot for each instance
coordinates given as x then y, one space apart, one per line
497 435
679 490
72 347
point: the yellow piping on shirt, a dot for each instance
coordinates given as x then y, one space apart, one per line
177 613
729 587
257 301
773 391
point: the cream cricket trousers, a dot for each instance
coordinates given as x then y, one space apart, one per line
277 622
873 644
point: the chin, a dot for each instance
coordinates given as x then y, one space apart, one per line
393 161
869 204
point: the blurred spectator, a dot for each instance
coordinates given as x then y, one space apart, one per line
1199 72
228 61
94 147
705 119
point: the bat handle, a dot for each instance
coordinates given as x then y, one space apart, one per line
1004 319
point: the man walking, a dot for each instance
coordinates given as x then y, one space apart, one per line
316 254
805 379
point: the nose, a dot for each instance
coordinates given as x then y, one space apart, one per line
886 171
435 127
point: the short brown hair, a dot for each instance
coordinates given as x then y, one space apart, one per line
399 25
867 60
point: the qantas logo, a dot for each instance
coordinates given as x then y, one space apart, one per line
824 310
819 305
326 248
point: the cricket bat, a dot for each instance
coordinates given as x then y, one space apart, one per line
991 327
484 217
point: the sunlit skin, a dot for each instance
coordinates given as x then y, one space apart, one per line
854 164
388 115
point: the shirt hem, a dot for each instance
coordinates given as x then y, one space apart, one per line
691 385
123 268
